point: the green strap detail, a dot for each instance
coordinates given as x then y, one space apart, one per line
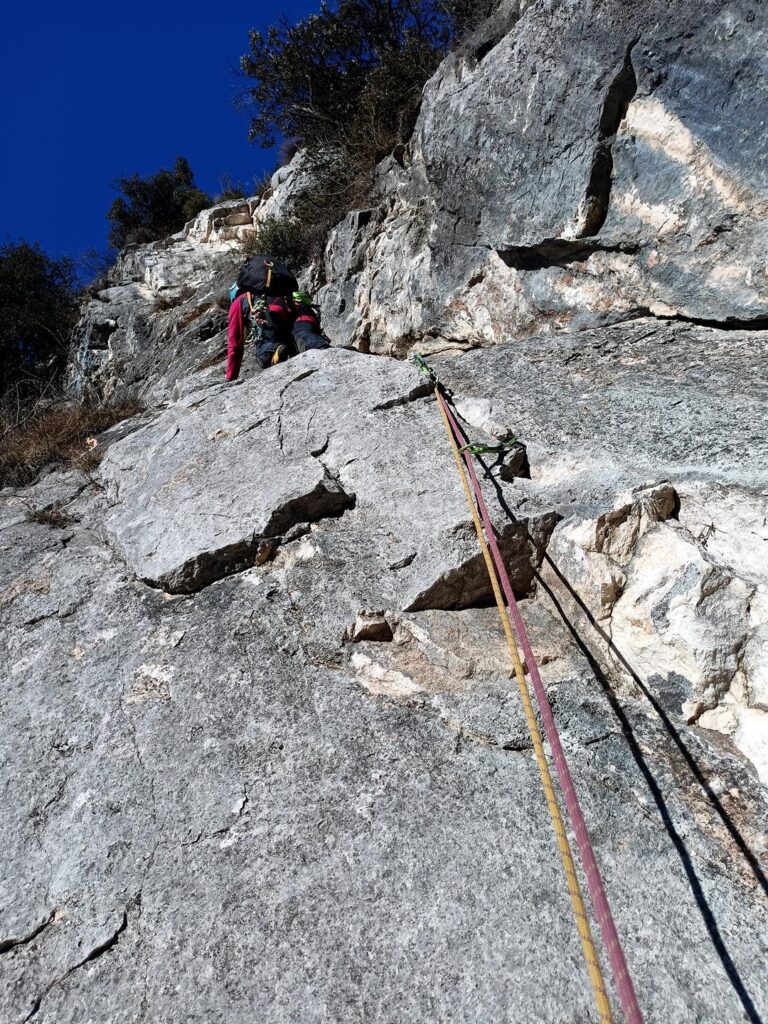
489 449
473 449
424 366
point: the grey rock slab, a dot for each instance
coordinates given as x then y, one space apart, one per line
215 805
198 498
602 410
222 477
610 418
221 821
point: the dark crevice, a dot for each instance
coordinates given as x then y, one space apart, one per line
592 741
617 99
420 391
518 746
729 324
100 333
251 426
204 836
328 500
522 546
105 946
94 954
513 464
557 252
402 563
482 51
317 452
8 944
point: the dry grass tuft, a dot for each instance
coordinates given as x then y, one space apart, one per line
55 517
60 434
194 314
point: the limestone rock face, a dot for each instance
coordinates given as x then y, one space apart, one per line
649 440
162 312
558 183
225 476
262 753
254 689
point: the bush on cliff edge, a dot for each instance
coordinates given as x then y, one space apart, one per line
155 206
38 309
346 84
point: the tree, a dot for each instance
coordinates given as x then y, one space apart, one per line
345 84
351 73
156 206
38 309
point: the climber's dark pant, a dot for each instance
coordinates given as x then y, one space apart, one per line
300 336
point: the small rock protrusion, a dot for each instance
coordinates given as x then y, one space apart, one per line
516 464
370 625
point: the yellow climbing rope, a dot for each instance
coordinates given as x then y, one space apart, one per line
577 902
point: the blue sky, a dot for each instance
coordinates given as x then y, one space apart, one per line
94 91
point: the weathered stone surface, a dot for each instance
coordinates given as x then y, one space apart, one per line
673 569
219 481
162 313
262 755
218 800
570 167
213 806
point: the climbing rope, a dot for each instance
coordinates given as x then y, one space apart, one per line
569 868
495 565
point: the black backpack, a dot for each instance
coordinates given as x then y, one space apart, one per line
261 275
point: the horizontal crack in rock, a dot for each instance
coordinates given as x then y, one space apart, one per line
729 324
328 500
420 391
558 252
8 944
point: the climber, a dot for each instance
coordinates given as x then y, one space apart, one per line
269 311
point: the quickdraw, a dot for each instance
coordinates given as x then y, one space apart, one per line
474 447
489 449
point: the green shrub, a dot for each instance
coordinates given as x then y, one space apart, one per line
230 189
310 76
156 206
346 83
38 309
285 239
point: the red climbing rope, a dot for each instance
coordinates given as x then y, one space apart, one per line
611 941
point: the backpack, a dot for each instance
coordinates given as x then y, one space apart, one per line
261 275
